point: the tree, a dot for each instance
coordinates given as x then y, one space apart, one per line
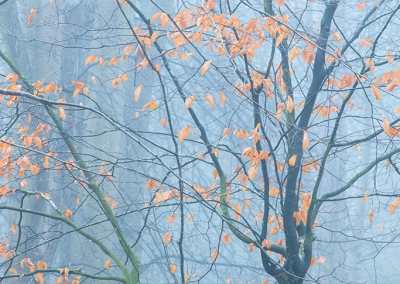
173 144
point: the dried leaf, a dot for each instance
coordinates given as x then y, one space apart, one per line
183 133
336 36
361 5
290 104
371 215
210 100
306 142
14 229
91 58
31 16
171 218
292 160
152 104
214 255
107 264
167 238
226 239
205 67
172 268
67 213
293 53
385 124
377 92
137 92
155 17
114 60
115 202
394 205
189 101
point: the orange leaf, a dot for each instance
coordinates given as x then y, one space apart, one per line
274 192
189 101
114 60
14 229
394 205
155 17
210 100
137 92
23 183
61 112
385 124
78 85
226 132
91 58
293 53
274 230
205 67
266 244
252 172
365 196
172 268
190 218
34 169
167 238
183 133
214 255
171 218
290 104
308 56
226 239
31 16
115 202
154 36
336 36
357 147
223 98
102 62
85 91
280 2
292 160
76 92
361 5
306 142
163 122
377 92
313 261
152 104
67 213
371 215
321 260
107 264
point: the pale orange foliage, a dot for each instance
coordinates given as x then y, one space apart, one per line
371 215
394 205
31 16
226 239
152 104
167 238
361 5
183 133
171 218
189 101
67 213
214 255
210 100
205 67
137 92
292 160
